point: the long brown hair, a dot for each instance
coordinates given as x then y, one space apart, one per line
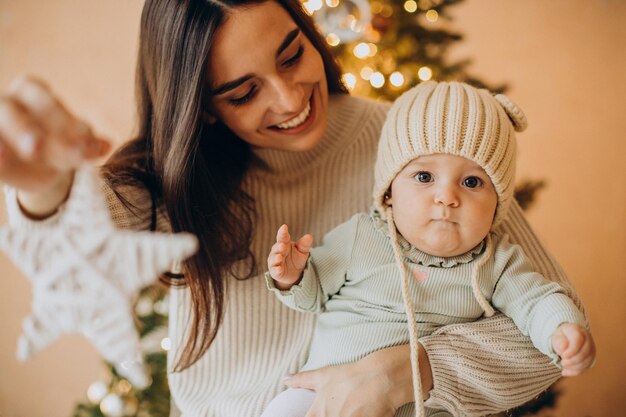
193 169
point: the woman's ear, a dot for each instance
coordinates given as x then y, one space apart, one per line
209 118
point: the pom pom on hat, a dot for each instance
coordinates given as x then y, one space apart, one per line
516 115
452 118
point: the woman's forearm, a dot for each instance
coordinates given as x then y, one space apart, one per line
396 361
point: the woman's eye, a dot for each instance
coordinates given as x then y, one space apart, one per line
295 58
424 177
472 182
238 101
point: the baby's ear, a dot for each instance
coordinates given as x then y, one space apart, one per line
387 198
516 115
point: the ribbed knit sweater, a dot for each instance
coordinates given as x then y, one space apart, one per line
478 368
352 280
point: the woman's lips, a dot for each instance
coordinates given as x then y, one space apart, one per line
307 114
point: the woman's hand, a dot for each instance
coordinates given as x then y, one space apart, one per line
375 386
41 143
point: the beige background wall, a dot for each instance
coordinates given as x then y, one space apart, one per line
564 61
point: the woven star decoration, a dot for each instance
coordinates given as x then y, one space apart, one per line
85 273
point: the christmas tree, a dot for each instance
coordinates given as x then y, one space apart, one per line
384 48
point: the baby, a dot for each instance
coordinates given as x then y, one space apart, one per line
444 180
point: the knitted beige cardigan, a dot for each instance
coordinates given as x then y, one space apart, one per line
478 368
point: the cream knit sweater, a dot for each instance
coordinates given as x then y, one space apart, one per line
478 368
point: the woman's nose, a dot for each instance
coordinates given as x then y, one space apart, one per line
446 196
287 96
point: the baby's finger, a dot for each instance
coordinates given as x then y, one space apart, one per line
576 368
282 235
277 272
275 259
575 339
583 355
304 243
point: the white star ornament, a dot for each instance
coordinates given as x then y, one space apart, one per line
85 273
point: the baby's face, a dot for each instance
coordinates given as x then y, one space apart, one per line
443 204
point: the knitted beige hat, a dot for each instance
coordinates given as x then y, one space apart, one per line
452 118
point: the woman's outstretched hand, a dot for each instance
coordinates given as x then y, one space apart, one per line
41 143
375 386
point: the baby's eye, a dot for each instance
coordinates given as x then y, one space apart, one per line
472 182
424 176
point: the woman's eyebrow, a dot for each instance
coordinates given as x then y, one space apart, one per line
287 41
229 85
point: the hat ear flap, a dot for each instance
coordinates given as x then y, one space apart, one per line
516 115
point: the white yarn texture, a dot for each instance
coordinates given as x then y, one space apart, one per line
85 273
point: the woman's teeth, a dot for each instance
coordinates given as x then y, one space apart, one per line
298 120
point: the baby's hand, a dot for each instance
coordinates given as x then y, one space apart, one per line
287 259
576 348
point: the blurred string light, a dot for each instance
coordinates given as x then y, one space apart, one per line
332 39
410 6
366 73
432 16
312 6
425 73
396 79
377 79
166 343
361 50
350 80
97 391
112 406
372 49
332 3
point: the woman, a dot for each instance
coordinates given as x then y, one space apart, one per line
243 122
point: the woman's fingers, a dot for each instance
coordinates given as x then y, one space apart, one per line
304 379
37 119
29 177
18 129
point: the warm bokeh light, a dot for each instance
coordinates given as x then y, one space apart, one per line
410 6
377 80
425 73
373 49
332 3
366 73
312 6
350 80
361 50
432 16
387 11
376 7
332 39
396 79
166 343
